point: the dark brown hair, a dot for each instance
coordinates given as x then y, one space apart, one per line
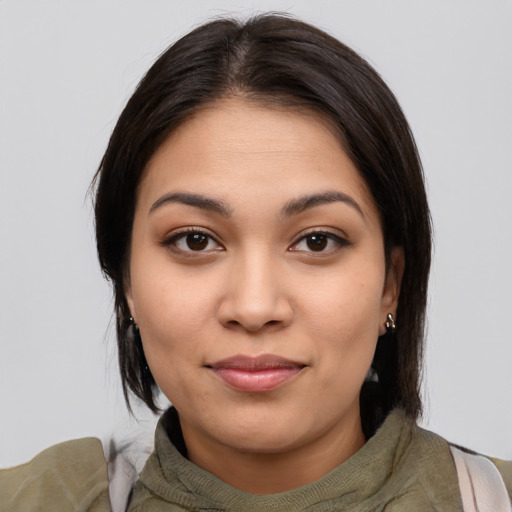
275 59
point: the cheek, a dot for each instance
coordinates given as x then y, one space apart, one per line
173 331
343 319
348 306
174 313
165 294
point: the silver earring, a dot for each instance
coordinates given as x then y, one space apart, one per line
390 323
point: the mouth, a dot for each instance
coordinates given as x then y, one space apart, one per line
256 374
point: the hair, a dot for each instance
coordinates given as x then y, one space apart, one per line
277 60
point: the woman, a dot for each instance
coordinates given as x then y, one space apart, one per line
261 213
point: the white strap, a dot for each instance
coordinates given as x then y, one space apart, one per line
124 464
480 482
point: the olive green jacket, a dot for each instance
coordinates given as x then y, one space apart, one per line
401 468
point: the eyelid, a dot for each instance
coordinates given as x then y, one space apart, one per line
170 239
341 240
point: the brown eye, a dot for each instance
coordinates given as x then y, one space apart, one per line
192 242
197 241
317 242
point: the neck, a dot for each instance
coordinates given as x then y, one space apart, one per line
270 473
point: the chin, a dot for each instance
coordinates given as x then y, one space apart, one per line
264 442
262 433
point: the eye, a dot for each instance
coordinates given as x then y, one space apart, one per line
318 241
192 241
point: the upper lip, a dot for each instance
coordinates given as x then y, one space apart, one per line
254 364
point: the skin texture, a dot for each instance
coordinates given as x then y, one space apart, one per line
258 286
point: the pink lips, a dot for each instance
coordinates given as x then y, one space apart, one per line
256 374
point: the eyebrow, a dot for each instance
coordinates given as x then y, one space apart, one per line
296 206
292 207
196 200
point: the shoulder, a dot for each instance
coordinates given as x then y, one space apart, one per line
505 469
68 476
485 483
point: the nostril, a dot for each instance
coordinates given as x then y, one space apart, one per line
253 326
254 311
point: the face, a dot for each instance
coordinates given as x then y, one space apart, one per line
258 278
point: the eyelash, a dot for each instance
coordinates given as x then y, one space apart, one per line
340 242
180 235
172 240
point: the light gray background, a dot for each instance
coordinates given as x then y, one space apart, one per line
66 70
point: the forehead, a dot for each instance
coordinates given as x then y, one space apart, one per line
236 146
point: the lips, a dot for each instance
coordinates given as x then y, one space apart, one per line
256 374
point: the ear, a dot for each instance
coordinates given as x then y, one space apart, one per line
392 286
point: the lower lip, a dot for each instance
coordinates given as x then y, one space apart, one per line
256 381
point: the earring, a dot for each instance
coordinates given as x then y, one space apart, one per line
390 323
138 343
135 327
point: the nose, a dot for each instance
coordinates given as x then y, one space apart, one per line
256 296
